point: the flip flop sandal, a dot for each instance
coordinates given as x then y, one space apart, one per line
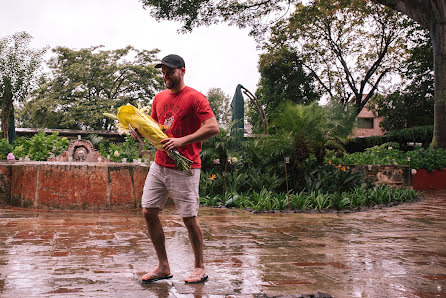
204 278
155 278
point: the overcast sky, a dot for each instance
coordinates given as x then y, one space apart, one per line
218 56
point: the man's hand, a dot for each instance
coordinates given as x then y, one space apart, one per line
172 143
134 133
207 130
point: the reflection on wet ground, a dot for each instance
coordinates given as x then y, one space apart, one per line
391 252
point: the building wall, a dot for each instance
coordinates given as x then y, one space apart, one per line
368 132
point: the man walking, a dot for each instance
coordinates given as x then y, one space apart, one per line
188 119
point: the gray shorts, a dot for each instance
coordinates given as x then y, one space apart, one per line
182 186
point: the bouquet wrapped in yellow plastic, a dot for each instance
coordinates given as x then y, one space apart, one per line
131 119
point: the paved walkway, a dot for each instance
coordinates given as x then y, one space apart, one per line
392 252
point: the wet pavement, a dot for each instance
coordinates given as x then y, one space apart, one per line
392 252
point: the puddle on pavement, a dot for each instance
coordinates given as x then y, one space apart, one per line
390 252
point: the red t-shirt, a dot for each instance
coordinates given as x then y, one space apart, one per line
182 113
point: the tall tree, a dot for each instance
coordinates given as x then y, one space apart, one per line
413 103
87 82
431 14
260 15
221 105
349 46
282 78
18 71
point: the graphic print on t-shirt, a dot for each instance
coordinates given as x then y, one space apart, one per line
168 122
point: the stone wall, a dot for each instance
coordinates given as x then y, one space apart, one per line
72 184
393 175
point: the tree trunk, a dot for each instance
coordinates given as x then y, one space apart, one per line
438 36
6 107
431 14
11 128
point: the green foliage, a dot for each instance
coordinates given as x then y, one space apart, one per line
87 82
262 160
354 199
220 147
129 149
345 45
282 79
301 131
239 180
40 146
262 200
332 178
266 178
255 181
405 109
386 154
5 148
255 14
419 134
302 127
429 159
300 201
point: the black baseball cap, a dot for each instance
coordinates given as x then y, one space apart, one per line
172 61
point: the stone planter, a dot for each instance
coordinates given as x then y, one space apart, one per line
392 175
72 185
424 180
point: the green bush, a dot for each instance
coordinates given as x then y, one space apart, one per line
420 158
5 148
331 178
419 134
40 146
130 149
429 159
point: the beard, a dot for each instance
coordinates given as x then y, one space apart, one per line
173 81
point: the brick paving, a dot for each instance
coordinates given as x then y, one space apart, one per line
391 252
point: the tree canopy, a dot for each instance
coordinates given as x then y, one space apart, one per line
88 82
18 71
282 78
221 106
349 46
260 15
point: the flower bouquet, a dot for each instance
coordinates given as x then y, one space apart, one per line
131 119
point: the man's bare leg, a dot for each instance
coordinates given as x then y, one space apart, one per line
196 240
158 239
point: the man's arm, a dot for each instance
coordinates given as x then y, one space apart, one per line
208 129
